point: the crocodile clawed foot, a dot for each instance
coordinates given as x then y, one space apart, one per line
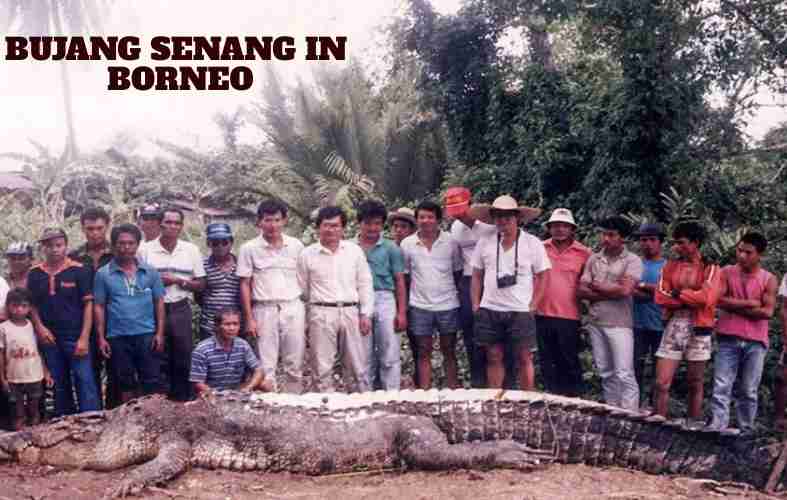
518 456
124 489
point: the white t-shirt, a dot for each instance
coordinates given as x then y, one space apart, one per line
532 259
432 285
185 261
22 360
467 238
4 289
783 287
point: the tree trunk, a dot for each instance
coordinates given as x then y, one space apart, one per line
71 151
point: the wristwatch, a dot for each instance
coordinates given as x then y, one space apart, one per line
641 284
675 293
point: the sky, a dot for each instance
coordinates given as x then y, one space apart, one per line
31 97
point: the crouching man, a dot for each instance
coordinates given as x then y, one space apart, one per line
221 362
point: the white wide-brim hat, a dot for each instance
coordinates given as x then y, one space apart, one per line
561 215
505 202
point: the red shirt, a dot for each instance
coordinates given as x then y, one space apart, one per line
556 288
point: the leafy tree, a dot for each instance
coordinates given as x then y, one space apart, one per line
54 17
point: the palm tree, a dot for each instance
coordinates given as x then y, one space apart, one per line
54 17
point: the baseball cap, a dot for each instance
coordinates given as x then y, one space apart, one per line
457 200
51 233
650 229
219 231
19 248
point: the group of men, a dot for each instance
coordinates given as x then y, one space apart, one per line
126 302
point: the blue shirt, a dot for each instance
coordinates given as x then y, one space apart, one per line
130 303
220 369
647 315
385 261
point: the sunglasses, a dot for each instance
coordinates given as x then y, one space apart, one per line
219 243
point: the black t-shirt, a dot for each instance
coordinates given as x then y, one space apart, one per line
60 297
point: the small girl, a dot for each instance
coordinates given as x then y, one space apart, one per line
21 367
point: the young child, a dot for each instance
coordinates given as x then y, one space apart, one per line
21 367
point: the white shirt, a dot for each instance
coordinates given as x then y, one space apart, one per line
4 289
432 285
185 261
467 238
533 260
783 287
343 276
22 361
273 270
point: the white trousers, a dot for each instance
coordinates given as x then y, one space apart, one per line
282 337
334 334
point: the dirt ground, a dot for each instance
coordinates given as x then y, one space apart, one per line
554 482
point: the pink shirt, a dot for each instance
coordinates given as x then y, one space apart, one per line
738 325
556 295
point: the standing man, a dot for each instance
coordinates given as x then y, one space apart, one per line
434 262
608 283
63 318
180 265
222 285
506 263
466 231
648 325
336 280
688 291
19 256
402 223
747 301
390 296
271 296
150 221
93 254
557 307
129 315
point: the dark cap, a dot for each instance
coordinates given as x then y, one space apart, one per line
151 209
52 233
19 248
650 229
219 231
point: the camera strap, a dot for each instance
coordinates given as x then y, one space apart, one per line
516 254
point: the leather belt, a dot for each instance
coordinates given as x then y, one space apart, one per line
334 304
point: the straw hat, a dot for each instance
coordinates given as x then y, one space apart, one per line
505 202
404 213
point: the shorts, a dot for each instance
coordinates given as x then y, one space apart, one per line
499 327
680 342
133 360
423 323
32 390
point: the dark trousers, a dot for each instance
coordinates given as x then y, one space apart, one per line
646 343
476 355
176 359
558 353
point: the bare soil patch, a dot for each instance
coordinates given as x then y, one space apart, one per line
555 482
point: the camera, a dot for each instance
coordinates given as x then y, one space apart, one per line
506 281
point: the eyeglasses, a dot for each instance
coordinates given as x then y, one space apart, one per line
219 243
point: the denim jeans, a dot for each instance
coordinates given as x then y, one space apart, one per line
613 353
64 367
385 361
735 355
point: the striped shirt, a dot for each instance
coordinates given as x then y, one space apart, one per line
222 290
220 369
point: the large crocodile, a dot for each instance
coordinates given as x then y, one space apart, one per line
319 434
